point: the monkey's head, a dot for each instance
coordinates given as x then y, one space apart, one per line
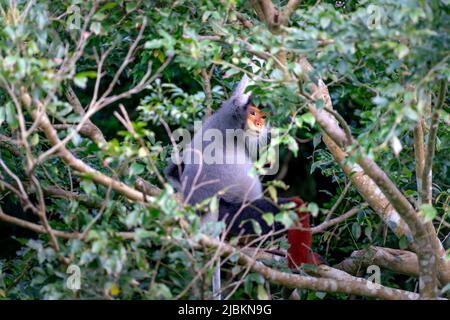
251 117
255 120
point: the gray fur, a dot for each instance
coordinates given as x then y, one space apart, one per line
231 182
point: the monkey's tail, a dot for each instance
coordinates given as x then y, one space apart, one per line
216 283
300 241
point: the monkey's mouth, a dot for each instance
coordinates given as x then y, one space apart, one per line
254 129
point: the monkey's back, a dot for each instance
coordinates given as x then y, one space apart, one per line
231 182
229 174
225 174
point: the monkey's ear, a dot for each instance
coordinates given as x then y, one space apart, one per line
242 85
240 97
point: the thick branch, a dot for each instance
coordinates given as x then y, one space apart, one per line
398 261
349 285
367 188
426 254
423 238
288 9
332 283
146 187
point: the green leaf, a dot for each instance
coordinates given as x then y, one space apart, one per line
401 51
99 16
284 218
76 138
154 44
256 227
445 289
11 116
109 5
325 22
35 139
321 295
342 67
142 234
136 169
313 209
273 193
88 186
161 291
80 81
133 218
368 232
268 218
297 69
230 72
309 119
428 212
205 16
317 139
356 230
2 115
96 27
292 144
130 6
92 74
280 184
214 205
262 293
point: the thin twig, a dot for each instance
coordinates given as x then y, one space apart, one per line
326 224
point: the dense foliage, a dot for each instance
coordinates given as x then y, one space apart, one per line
382 64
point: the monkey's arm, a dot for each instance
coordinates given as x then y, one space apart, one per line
238 220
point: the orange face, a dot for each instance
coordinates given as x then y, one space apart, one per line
255 119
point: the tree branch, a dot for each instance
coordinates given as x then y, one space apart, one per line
325 225
89 129
422 237
76 163
427 175
398 261
426 253
349 284
335 281
288 9
419 155
207 88
60 234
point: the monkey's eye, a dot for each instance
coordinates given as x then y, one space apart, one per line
253 113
